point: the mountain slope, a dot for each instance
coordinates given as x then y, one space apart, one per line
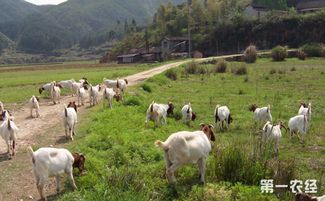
42 29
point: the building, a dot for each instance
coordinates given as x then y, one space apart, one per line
307 6
128 58
174 45
253 10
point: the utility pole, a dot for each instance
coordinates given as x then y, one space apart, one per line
189 28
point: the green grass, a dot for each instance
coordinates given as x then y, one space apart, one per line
123 164
18 85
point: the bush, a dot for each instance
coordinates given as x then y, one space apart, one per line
132 100
250 54
272 71
221 66
301 55
242 70
191 68
279 53
171 74
146 88
201 70
177 115
312 49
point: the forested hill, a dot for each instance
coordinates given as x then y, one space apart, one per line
45 28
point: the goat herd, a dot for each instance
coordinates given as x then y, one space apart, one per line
180 148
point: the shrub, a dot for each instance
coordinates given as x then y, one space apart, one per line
132 100
312 49
242 70
293 69
191 67
250 54
272 71
283 71
171 74
301 55
221 66
178 115
246 79
146 88
201 70
279 53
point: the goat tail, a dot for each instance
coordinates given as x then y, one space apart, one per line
31 153
65 110
151 106
160 144
268 108
9 125
104 78
309 108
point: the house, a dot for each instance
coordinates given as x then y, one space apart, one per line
176 45
307 6
253 10
128 58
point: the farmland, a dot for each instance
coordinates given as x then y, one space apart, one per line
123 164
20 82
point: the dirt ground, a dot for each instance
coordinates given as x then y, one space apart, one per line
17 180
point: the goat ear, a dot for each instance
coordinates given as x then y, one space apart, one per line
201 125
211 126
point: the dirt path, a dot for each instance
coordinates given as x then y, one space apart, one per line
16 179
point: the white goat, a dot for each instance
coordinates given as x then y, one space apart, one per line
187 113
298 124
34 104
110 94
93 94
67 84
47 87
273 132
77 85
186 147
261 114
158 112
305 110
8 131
51 162
70 119
81 96
222 114
119 83
56 93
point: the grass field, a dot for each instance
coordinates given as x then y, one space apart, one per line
123 164
19 83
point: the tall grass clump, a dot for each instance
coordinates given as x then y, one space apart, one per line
220 66
312 49
250 54
132 101
191 67
146 88
241 70
171 74
301 55
279 53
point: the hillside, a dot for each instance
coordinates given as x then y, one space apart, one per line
43 29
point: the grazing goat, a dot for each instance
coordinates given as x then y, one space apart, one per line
273 132
34 104
222 114
261 114
67 84
119 83
70 119
79 162
8 131
93 94
158 112
47 87
56 93
110 94
81 96
188 114
305 110
186 147
305 197
51 162
298 124
77 85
